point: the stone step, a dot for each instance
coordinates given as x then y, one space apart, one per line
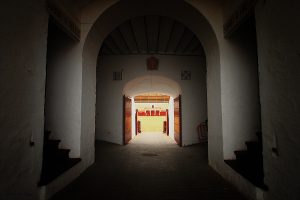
254 147
47 135
51 144
55 160
51 170
253 174
249 163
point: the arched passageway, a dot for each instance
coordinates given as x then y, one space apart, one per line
152 103
119 61
207 29
182 12
101 24
137 80
227 30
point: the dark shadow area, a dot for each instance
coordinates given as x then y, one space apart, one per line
56 160
249 161
145 171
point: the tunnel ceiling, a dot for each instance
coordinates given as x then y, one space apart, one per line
75 5
152 35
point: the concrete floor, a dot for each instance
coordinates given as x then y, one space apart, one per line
151 167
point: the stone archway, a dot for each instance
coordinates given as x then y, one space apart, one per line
158 85
101 18
146 84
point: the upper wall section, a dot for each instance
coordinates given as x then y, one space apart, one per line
152 34
101 18
152 84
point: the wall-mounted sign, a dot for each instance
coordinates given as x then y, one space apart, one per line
186 75
117 76
152 63
65 21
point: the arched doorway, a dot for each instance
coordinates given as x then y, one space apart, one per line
155 106
109 19
177 73
98 22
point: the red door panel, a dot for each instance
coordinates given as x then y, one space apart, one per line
177 121
127 135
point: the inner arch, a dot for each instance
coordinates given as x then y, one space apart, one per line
99 23
148 84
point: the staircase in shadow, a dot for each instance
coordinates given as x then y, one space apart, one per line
249 163
56 161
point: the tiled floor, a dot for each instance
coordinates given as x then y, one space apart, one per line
151 167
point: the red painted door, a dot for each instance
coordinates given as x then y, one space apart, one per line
136 122
177 121
139 126
127 120
167 111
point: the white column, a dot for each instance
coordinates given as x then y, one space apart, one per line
133 117
171 117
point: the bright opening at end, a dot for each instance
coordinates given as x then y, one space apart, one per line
153 119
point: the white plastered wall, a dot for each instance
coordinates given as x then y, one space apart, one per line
109 93
216 80
240 87
63 91
171 117
133 110
23 39
278 57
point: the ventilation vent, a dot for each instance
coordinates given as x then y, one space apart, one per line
186 75
117 76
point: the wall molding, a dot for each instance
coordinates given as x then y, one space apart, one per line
64 20
244 11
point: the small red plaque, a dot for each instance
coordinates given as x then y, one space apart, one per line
152 63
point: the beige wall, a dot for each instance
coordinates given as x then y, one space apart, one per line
163 106
152 123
